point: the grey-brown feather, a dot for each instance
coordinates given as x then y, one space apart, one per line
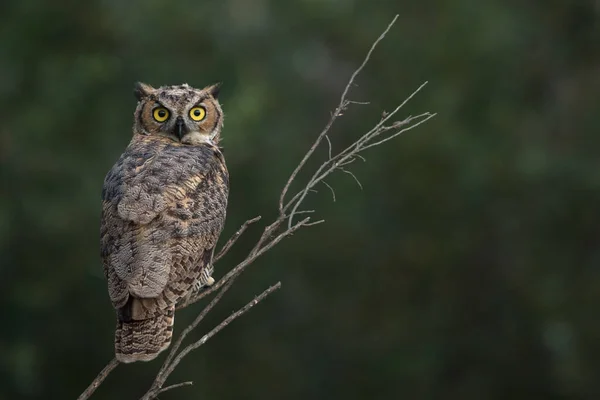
163 209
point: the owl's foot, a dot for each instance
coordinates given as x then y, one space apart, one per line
198 286
205 279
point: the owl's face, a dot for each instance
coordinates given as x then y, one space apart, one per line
181 113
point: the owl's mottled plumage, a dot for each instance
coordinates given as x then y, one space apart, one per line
163 209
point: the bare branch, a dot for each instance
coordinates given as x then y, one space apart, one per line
354 176
329 143
427 116
234 238
222 325
190 328
334 116
345 156
330 188
99 379
368 57
189 383
161 379
305 212
315 223
349 161
390 115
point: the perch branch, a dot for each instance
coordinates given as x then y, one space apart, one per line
99 379
278 229
156 387
242 265
191 327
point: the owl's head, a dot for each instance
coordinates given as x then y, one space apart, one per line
181 113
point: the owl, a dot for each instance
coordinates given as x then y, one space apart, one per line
163 209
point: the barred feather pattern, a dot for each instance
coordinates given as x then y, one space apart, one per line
163 209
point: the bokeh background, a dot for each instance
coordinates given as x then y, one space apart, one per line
467 268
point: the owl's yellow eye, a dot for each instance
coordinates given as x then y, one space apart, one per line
197 113
160 114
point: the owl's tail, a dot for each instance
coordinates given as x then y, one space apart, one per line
143 340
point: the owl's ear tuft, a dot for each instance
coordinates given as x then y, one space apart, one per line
214 89
142 90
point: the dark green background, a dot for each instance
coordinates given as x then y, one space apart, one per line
467 268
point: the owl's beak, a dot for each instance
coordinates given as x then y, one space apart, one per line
180 128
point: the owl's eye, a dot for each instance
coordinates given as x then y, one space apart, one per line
160 114
197 113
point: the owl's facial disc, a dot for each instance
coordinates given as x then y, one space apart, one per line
179 113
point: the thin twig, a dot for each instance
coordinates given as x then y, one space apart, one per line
349 161
99 379
391 114
330 188
305 212
177 385
329 145
234 238
368 57
354 176
427 116
315 223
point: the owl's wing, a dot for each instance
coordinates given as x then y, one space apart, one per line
162 205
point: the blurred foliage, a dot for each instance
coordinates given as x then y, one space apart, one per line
467 268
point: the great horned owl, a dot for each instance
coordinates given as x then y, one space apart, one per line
163 209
